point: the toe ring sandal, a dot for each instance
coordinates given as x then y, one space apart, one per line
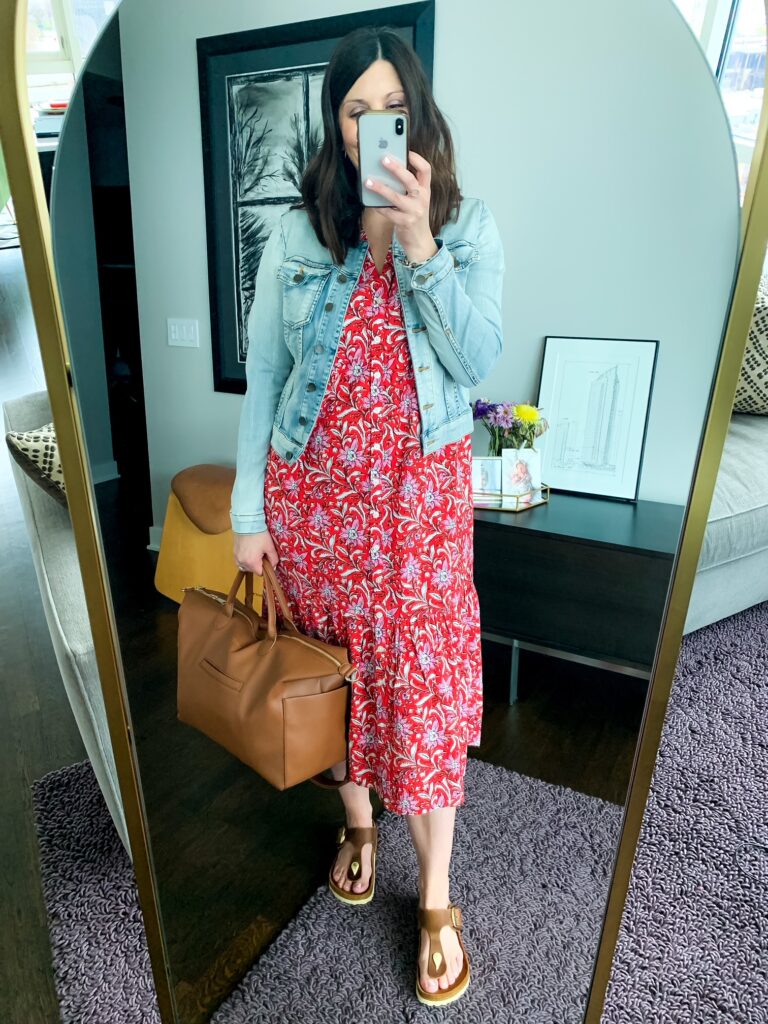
358 836
432 921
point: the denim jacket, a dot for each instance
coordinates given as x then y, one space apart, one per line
451 314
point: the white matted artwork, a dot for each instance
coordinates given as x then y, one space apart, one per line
596 395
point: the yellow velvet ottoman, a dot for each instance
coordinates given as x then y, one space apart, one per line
197 547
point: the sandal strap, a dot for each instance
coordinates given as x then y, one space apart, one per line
357 834
432 920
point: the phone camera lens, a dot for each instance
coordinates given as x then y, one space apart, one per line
399 126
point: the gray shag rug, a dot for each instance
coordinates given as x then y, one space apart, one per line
530 869
693 944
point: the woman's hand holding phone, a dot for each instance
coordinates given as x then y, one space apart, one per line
410 212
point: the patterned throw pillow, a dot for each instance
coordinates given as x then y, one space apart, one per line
37 452
752 389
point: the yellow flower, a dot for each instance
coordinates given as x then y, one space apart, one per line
527 413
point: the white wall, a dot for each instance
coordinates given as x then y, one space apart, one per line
595 133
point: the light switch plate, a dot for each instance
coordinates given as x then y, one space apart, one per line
183 332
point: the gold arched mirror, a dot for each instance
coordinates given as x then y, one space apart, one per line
597 137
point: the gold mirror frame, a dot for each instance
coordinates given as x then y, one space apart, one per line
25 177
31 209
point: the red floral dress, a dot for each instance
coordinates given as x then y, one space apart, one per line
375 545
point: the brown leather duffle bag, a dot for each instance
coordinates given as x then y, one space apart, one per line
276 699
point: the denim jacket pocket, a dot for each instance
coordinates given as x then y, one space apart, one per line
463 252
302 285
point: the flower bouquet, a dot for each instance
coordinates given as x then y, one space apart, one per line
512 468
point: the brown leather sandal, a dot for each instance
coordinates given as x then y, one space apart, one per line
432 921
358 836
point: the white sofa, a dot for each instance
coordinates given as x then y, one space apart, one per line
61 589
733 567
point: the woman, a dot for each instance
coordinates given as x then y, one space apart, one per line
367 328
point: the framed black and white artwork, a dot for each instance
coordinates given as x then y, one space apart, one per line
596 394
261 124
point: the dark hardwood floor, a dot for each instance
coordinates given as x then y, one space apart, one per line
572 726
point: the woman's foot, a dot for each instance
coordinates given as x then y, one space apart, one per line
451 949
359 814
349 852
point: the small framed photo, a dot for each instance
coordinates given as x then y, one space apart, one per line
486 475
596 395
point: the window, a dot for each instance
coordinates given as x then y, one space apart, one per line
742 79
60 34
733 37
42 30
89 16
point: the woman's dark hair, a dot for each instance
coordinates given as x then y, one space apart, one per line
329 187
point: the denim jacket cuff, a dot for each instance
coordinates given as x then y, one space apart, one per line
248 524
432 271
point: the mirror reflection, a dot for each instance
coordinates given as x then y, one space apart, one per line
461 427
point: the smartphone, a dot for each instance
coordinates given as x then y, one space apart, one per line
380 132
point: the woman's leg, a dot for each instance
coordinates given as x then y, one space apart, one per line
359 813
432 836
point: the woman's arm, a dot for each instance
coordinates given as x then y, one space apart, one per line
464 323
267 365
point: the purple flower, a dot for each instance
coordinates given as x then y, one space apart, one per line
481 408
502 414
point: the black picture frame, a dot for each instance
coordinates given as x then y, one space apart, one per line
653 347
282 65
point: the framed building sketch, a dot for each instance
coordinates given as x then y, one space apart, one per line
596 394
261 124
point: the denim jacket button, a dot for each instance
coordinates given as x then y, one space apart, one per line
297 277
409 292
328 307
288 456
342 278
302 420
318 348
420 279
311 386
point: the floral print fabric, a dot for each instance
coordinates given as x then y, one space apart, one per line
375 545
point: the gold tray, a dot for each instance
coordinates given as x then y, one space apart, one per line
505 502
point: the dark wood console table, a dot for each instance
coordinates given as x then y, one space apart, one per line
578 578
